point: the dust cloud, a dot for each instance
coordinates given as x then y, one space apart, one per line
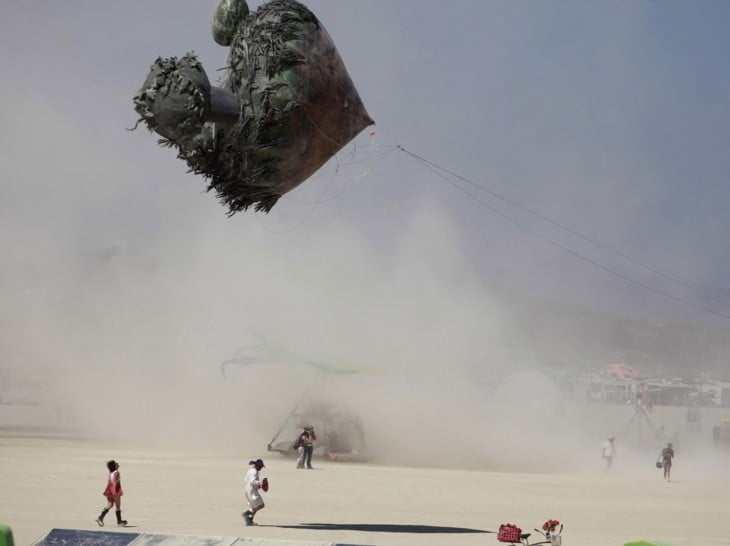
128 341
125 287
128 338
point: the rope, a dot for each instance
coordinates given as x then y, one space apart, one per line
437 170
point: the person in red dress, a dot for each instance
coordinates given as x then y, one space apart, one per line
113 494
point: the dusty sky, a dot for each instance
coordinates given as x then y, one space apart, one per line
120 274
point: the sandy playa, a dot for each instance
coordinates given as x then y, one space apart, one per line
56 482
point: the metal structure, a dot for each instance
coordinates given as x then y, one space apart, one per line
340 433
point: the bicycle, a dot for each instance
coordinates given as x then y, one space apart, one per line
553 539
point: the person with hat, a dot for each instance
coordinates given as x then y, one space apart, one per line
305 447
609 452
667 455
252 487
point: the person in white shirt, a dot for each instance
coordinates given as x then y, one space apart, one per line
609 452
252 486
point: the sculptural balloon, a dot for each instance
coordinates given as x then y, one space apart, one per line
285 104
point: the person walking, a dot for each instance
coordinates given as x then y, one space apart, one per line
252 486
113 494
667 455
305 447
609 452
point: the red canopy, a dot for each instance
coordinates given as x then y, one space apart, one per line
621 370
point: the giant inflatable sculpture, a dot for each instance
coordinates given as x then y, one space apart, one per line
284 105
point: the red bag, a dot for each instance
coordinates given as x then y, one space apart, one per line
509 533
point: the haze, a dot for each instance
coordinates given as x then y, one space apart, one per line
124 285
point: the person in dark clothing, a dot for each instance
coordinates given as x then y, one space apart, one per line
305 446
667 455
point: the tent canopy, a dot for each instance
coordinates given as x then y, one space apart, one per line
621 370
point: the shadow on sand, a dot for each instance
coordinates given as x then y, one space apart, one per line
383 528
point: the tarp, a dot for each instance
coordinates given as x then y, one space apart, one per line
77 537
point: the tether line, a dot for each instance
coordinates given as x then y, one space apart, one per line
437 170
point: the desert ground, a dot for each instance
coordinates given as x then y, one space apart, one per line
54 480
